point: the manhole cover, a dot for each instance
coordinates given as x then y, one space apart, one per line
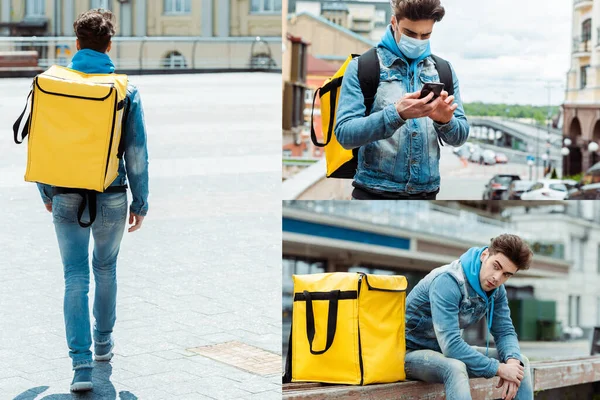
243 356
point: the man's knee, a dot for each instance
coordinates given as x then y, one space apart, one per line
456 368
525 360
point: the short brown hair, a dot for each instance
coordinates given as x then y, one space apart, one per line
94 29
417 10
514 248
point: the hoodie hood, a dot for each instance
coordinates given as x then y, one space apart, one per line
92 62
471 265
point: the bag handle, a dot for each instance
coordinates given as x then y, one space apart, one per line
334 295
17 123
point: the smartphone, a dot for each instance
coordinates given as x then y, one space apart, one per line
434 87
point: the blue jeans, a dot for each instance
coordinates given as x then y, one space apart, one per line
73 241
432 366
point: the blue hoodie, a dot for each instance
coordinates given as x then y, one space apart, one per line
135 167
450 299
471 264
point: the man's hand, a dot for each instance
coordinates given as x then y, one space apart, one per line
512 372
509 389
410 106
443 113
48 207
138 219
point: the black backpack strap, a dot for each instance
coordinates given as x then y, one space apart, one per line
121 148
368 76
445 73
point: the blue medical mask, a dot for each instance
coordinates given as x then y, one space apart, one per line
412 48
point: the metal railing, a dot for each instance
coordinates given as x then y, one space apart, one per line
581 45
162 53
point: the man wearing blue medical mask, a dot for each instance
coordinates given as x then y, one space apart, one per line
398 138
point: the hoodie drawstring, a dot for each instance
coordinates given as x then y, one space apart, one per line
490 318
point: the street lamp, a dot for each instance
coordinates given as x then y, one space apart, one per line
593 148
545 159
565 152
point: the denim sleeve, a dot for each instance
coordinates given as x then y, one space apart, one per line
503 330
352 128
45 192
455 132
445 297
136 155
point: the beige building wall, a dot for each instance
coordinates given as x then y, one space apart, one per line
326 40
245 23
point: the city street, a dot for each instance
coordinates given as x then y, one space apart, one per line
204 269
468 183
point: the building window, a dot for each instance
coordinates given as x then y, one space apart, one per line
174 60
577 253
35 8
574 303
178 6
105 4
265 6
586 30
583 72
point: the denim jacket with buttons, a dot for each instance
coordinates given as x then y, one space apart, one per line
395 155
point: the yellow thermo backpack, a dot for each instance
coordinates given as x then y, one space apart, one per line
347 328
74 131
342 163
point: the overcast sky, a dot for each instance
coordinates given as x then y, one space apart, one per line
507 51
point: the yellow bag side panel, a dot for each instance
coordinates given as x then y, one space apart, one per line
335 154
339 364
69 137
381 324
113 161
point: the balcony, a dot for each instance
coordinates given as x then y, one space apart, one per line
583 4
582 47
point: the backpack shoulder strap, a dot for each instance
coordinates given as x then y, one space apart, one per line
445 73
368 76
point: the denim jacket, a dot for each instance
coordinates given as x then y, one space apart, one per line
134 164
395 155
442 304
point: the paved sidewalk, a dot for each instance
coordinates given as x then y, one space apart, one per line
205 268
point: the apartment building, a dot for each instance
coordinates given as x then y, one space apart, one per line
581 109
164 33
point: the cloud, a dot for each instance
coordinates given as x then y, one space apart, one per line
507 51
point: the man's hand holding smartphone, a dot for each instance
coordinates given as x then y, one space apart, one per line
431 101
443 113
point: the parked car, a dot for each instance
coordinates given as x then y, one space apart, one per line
546 189
498 185
475 153
501 158
589 187
516 189
488 157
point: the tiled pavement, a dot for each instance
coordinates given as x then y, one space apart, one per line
203 270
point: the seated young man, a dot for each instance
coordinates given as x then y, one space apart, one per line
456 296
